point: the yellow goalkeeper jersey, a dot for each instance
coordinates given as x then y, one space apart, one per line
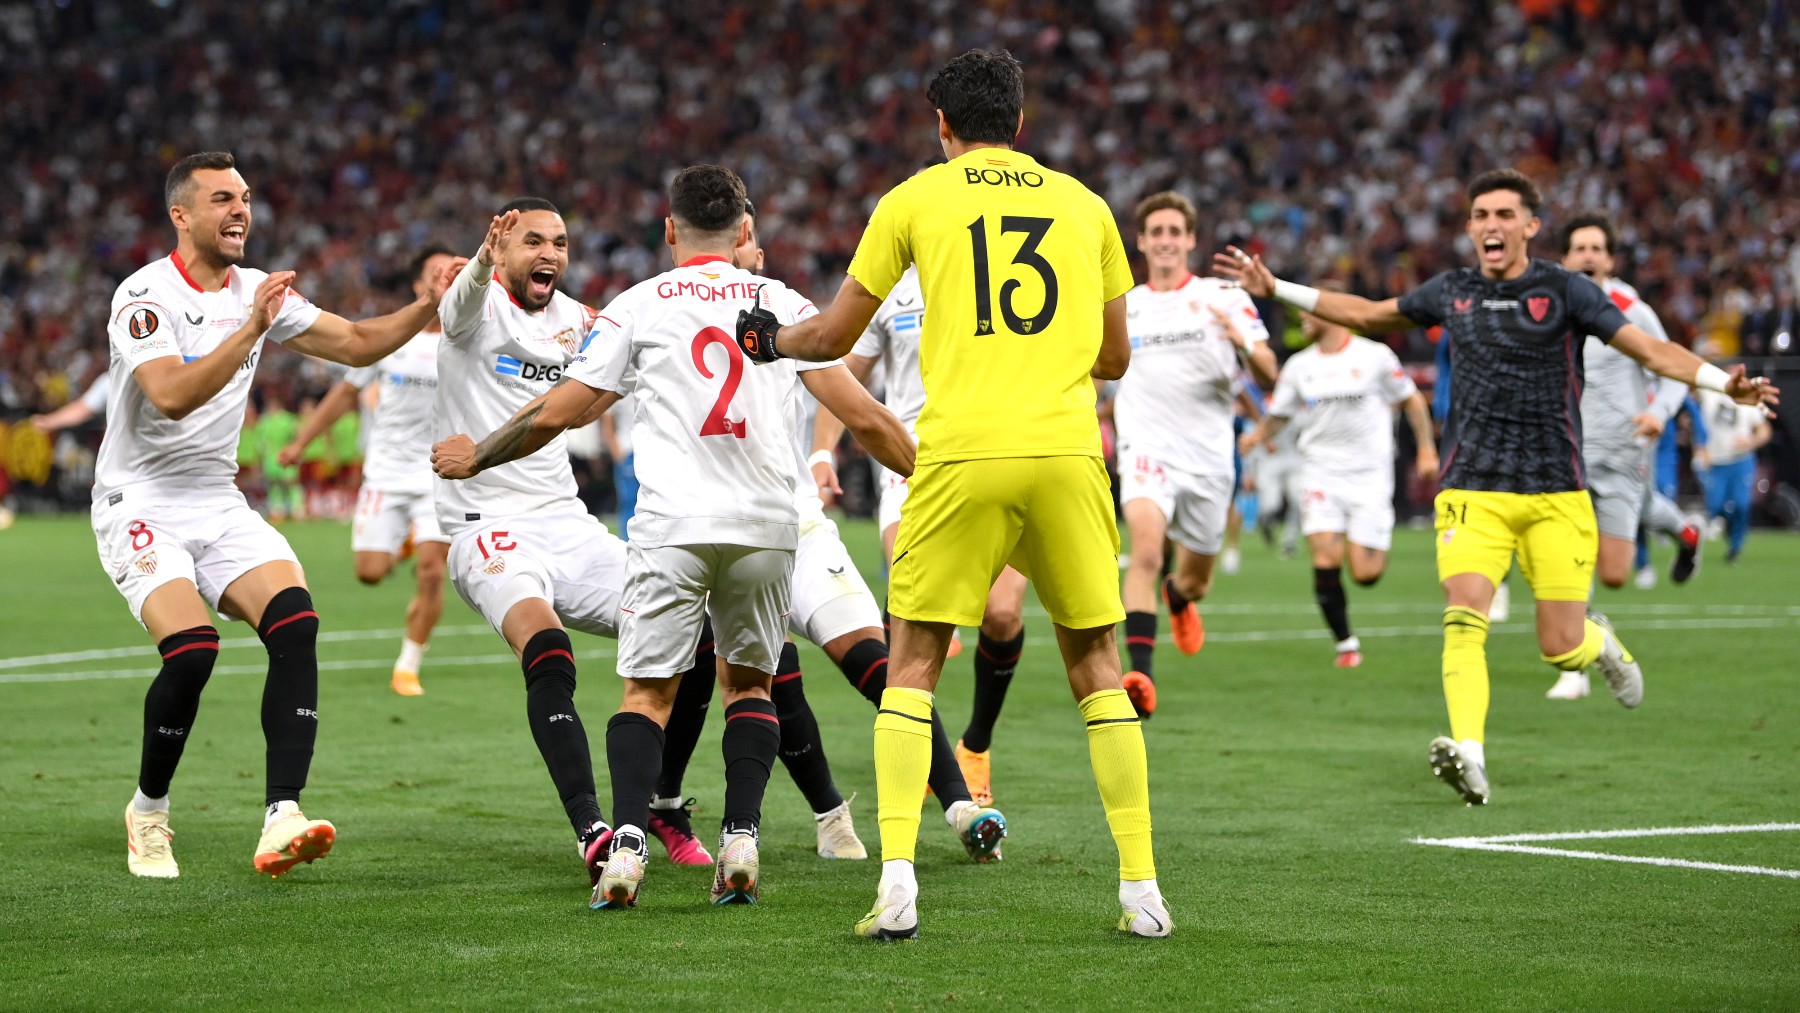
1015 261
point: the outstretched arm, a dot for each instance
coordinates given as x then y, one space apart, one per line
822 337
876 428
1665 358
524 434
363 342
1365 316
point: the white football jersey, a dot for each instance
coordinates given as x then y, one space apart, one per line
1174 403
495 357
1616 390
1347 398
160 311
714 432
893 337
1727 424
398 454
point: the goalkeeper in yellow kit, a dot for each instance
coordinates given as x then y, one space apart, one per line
1026 278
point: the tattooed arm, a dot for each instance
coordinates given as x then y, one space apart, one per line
524 434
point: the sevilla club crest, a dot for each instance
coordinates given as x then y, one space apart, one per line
1538 306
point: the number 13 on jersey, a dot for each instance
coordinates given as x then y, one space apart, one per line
1027 257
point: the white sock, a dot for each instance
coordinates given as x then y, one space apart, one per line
660 802
144 804
1132 892
1346 646
277 810
956 810
898 872
411 656
1473 752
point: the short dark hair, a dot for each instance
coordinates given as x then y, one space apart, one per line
415 268
981 94
178 187
1168 200
530 204
707 198
1590 220
1507 179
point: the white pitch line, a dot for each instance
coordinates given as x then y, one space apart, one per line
1260 636
1598 835
1503 843
599 651
328 636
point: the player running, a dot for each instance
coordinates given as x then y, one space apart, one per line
394 504
1727 461
1623 413
1513 476
1174 414
1026 277
1348 387
716 526
175 535
892 338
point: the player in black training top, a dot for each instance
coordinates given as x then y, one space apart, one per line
1513 478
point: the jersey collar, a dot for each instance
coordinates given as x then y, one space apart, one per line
704 258
181 268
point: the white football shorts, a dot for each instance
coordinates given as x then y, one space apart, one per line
892 490
384 519
1361 508
1195 506
829 598
210 541
563 556
671 589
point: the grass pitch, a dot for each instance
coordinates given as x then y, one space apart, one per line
1286 795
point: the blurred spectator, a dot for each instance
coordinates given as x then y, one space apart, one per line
1332 136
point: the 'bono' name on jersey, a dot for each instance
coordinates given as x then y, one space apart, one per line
1516 373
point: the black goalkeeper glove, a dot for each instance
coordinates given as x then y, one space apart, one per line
756 331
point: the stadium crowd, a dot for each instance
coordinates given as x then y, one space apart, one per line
1680 118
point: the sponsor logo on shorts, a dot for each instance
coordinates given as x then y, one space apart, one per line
1449 533
146 563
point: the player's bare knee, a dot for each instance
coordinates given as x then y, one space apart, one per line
1366 578
372 569
1191 587
1003 620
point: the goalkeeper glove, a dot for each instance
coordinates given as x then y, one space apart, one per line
756 331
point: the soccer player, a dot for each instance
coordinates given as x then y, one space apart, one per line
1513 474
1348 387
1728 462
892 337
1026 276
1622 416
833 607
1174 412
716 526
90 405
175 535
395 500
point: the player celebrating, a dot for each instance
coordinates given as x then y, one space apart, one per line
1728 461
715 528
1026 276
1622 416
395 500
1513 473
1174 416
892 337
174 532
833 607
1347 386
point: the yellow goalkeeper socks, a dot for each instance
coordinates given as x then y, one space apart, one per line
902 766
1593 638
1466 672
1116 747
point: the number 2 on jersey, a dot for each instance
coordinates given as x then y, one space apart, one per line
1034 229
716 423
